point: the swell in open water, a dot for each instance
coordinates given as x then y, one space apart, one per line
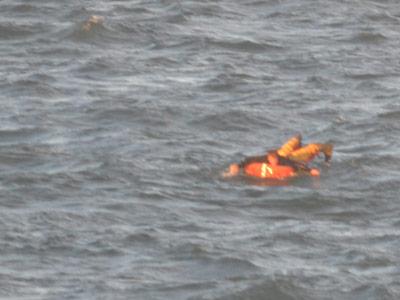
114 130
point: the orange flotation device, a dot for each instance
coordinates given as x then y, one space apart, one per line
265 170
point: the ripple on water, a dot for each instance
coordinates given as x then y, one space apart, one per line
12 31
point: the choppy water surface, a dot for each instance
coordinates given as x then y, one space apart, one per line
113 135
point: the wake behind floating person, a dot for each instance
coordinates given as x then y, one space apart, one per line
288 161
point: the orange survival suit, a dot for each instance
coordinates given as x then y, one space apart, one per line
288 161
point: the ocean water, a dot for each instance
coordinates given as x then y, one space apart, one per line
114 131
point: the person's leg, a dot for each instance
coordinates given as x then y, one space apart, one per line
291 145
307 153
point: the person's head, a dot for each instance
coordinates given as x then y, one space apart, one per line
233 170
273 158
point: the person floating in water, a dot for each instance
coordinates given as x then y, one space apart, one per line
288 161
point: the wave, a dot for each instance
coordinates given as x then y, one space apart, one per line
232 120
269 290
369 37
9 31
298 288
390 116
248 46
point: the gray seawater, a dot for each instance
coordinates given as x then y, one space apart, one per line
113 136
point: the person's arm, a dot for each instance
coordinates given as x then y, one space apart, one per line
299 167
253 159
